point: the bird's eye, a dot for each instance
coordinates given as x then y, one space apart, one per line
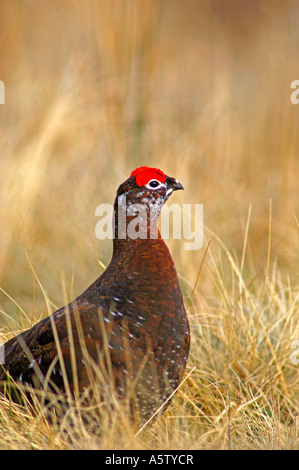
153 184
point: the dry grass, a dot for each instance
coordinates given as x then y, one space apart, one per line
96 89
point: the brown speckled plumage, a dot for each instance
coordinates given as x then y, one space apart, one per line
135 307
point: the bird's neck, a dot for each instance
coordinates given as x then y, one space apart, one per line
135 222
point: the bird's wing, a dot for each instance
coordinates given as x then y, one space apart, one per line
71 331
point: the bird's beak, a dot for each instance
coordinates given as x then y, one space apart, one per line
174 184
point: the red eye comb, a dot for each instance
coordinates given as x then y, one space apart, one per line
145 173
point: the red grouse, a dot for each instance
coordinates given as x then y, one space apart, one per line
134 311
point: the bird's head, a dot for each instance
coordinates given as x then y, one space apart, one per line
148 185
144 193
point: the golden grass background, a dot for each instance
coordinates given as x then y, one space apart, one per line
201 90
